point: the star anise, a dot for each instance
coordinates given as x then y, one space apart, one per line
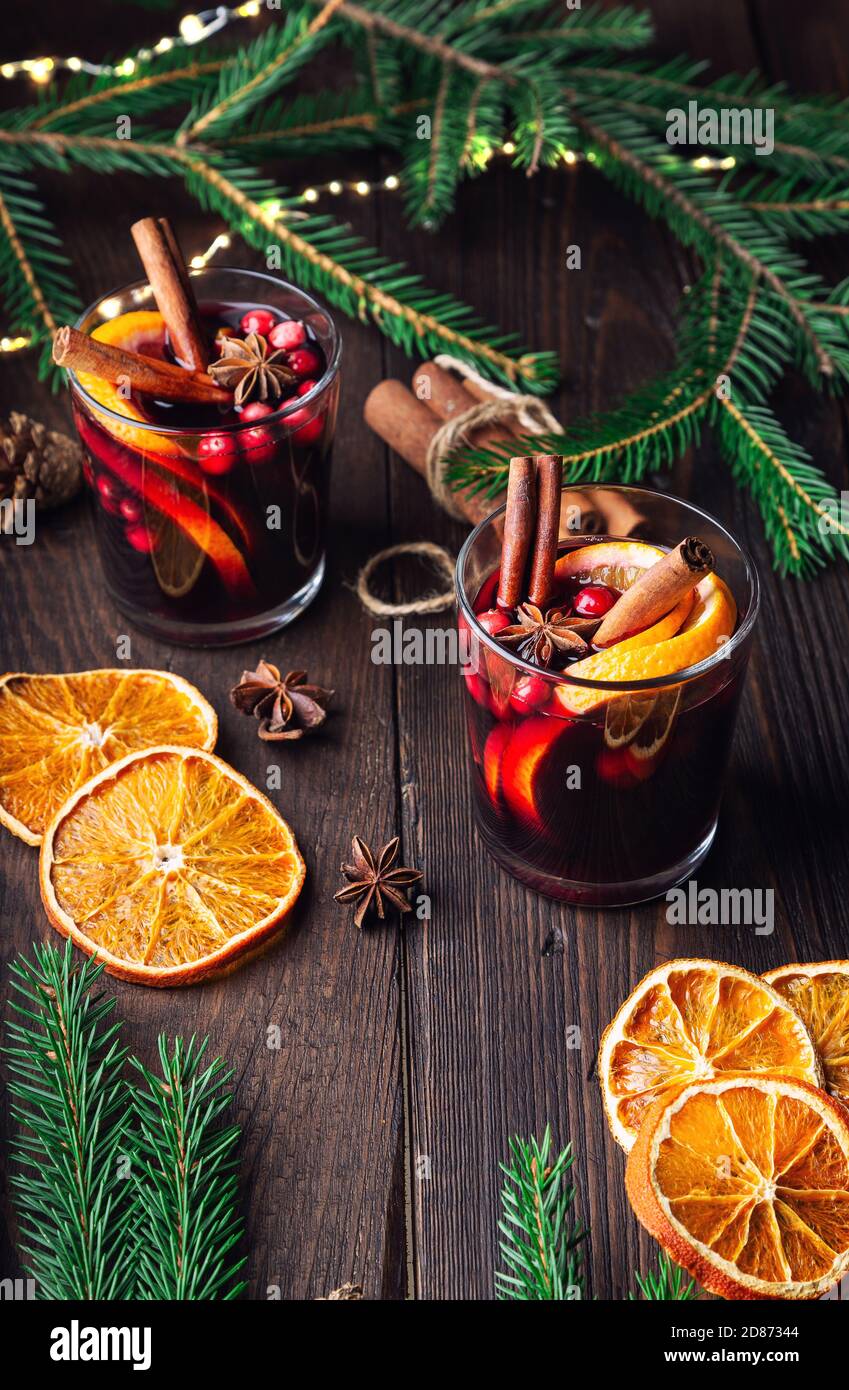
373 882
247 368
285 706
537 636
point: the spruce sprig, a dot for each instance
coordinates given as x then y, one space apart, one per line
129 1187
186 1184
70 1100
669 1285
541 1241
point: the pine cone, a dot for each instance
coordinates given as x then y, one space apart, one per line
37 463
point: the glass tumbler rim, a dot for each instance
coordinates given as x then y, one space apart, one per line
296 403
686 674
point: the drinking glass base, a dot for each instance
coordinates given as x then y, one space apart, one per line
638 890
229 634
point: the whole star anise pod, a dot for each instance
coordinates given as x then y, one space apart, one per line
374 882
285 706
249 370
537 636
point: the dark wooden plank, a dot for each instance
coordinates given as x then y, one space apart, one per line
498 974
322 1174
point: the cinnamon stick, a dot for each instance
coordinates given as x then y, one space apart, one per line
657 591
518 530
549 470
79 353
166 271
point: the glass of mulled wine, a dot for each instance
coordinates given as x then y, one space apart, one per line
604 791
210 519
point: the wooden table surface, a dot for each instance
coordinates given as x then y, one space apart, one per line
372 1137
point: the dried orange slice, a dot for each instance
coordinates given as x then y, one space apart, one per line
693 1019
820 995
56 731
168 866
745 1182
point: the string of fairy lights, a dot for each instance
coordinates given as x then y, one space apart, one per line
193 29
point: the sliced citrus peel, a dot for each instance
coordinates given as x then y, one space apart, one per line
819 993
57 730
745 1183
169 866
139 331
695 1019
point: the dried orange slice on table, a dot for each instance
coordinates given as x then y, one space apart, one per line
56 731
745 1182
819 993
169 866
691 1020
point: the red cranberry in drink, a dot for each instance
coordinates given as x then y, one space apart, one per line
258 443
304 361
217 453
304 387
109 494
141 539
306 430
529 693
494 621
288 334
258 321
131 510
594 600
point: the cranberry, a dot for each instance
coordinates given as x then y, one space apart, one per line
494 621
140 538
109 494
258 321
258 443
289 334
304 361
304 387
217 453
306 429
594 600
131 510
529 693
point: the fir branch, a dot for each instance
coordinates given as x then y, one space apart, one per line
185 1180
540 1241
669 1285
65 1064
275 57
328 257
158 82
310 123
37 291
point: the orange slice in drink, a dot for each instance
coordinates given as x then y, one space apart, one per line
56 731
169 866
681 639
745 1182
139 331
692 1019
614 563
820 995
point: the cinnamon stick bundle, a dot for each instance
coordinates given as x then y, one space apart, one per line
160 254
79 353
549 471
657 591
519 523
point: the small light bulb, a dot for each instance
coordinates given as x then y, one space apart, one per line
197 262
126 68
73 64
508 147
391 182
163 45
569 157
334 187
8 70
39 69
310 195
192 29
362 188
250 10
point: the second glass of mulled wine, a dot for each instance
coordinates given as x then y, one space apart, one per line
210 519
598 770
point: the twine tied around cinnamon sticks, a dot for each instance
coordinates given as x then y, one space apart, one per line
426 426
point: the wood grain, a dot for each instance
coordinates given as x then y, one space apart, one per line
466 1014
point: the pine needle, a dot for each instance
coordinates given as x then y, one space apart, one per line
541 1242
669 1284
